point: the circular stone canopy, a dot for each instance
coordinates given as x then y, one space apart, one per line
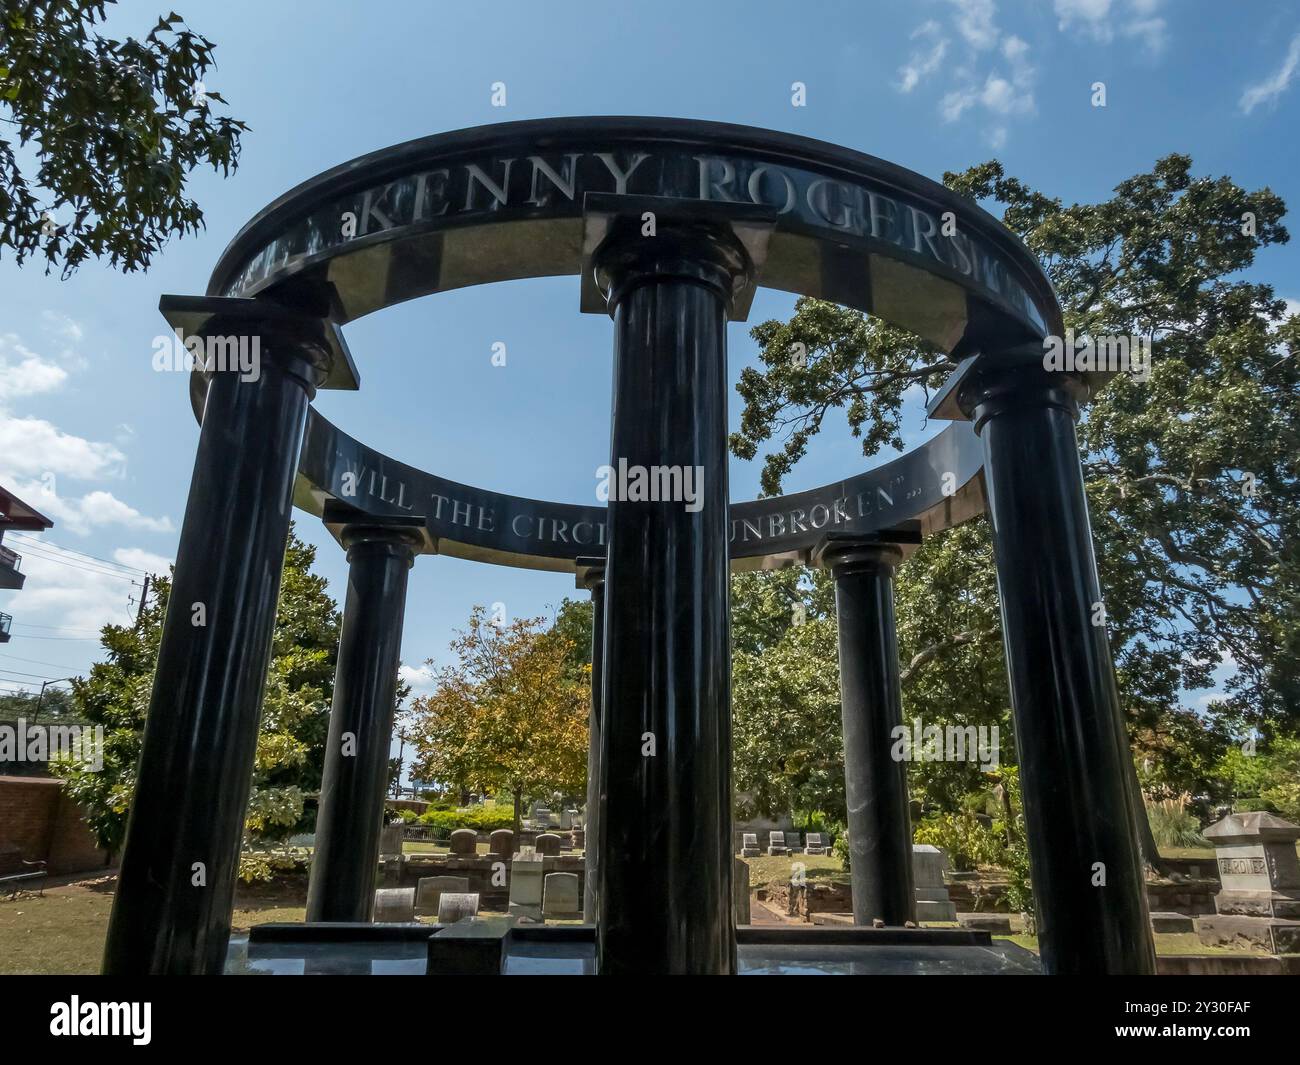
504 202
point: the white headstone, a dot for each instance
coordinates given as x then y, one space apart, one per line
560 895
430 889
455 906
395 905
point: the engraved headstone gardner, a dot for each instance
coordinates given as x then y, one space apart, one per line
1259 903
749 845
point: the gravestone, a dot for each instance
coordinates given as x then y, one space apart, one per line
932 901
455 906
501 844
464 841
390 839
526 874
1259 903
542 816
740 892
548 844
776 843
997 924
430 888
815 844
560 896
395 905
749 845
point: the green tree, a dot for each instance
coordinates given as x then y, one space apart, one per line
787 750
295 710
508 716
114 127
1191 475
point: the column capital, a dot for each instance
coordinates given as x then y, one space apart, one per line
629 240
845 553
309 347
988 383
590 572
354 528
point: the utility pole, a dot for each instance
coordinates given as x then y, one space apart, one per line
144 596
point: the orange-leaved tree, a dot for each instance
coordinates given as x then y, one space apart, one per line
509 716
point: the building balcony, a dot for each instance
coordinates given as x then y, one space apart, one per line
5 622
11 575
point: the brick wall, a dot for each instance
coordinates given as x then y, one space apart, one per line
37 821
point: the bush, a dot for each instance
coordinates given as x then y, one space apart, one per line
966 841
1172 825
479 818
265 863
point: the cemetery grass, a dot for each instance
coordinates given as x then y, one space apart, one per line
63 932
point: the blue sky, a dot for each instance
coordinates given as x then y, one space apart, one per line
932 85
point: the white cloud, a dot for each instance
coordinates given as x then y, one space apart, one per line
33 447
63 326
974 19
994 73
921 64
91 511
1100 20
25 373
139 558
72 598
104 508
1268 90
420 678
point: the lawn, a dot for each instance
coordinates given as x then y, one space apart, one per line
765 870
63 932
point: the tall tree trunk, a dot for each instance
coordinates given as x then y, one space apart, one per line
519 802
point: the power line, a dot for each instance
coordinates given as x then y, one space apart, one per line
77 564
73 551
19 673
38 661
73 639
52 628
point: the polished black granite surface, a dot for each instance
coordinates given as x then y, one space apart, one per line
372 958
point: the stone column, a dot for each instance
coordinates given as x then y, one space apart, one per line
669 276
1074 756
871 707
591 575
355 779
171 913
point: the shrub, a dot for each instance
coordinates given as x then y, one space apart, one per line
1172 825
479 818
961 836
